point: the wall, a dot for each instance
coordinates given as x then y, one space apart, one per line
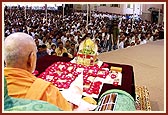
110 9
77 7
118 10
146 14
136 7
145 7
140 9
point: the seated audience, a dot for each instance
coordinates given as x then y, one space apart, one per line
49 43
53 53
66 54
42 51
53 47
72 50
72 27
61 49
67 45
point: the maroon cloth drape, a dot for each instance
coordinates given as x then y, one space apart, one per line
45 61
127 83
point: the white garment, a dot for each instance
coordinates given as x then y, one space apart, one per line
121 45
76 38
133 38
143 42
49 51
108 36
63 39
40 42
33 34
151 38
103 34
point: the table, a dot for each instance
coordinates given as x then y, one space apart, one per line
127 73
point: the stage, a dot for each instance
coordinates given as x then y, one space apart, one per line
148 66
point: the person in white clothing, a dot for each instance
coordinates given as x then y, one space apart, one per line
64 38
121 42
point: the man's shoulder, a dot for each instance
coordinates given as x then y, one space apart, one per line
57 49
42 81
49 84
64 49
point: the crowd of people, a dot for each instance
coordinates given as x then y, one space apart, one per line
60 34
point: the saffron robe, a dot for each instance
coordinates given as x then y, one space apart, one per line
23 84
19 104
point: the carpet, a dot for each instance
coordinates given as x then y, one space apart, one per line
142 99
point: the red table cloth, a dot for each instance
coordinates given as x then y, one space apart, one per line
127 85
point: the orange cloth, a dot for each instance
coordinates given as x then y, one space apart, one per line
21 82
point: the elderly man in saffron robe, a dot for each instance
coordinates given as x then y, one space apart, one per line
20 60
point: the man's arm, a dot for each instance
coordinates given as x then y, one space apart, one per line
54 96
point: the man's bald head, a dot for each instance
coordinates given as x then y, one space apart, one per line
17 48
